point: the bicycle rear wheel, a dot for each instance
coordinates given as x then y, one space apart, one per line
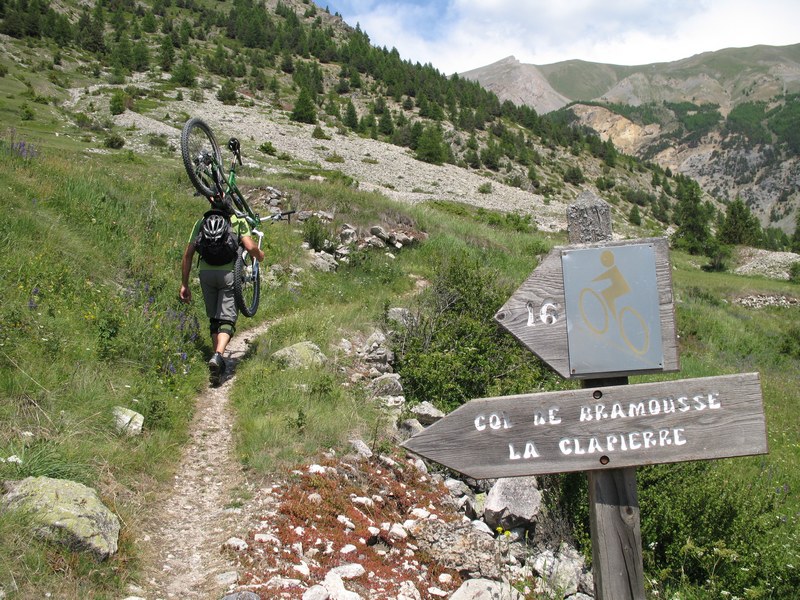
201 156
246 283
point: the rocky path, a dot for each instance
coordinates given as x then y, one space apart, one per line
184 534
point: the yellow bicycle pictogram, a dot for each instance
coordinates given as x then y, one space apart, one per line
606 300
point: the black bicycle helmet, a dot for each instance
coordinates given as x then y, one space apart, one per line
214 227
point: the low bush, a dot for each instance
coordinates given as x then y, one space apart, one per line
453 352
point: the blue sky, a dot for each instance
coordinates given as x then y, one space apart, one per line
459 35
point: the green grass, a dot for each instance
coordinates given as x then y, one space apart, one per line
751 556
89 319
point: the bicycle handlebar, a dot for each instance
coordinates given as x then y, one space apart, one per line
279 216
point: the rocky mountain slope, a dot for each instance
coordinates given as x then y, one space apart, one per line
763 172
726 77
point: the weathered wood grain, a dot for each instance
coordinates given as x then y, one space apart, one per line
536 313
600 428
616 535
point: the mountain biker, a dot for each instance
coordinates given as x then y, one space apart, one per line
216 281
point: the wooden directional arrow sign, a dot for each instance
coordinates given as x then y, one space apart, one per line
599 428
598 310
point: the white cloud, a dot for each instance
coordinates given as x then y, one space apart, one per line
459 35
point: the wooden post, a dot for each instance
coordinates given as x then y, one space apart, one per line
589 219
613 500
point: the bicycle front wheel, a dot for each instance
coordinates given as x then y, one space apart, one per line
201 156
246 283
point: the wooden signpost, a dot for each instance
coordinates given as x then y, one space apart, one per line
536 314
601 311
599 428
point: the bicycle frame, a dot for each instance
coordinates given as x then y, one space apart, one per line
241 208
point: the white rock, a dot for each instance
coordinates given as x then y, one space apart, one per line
302 568
335 586
316 592
368 502
420 513
350 571
347 549
481 526
226 579
408 591
398 531
346 522
237 544
127 421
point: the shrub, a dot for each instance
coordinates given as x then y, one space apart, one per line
115 141
794 272
227 93
485 188
453 351
634 217
268 148
335 158
26 112
574 175
319 134
315 234
117 103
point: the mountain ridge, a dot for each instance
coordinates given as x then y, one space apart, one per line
682 115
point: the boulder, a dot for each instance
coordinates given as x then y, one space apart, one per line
65 512
401 315
512 502
560 572
485 589
325 262
301 356
128 421
458 546
426 413
386 385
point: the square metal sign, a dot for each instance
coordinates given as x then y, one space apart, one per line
612 309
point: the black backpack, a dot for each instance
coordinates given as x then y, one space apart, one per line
216 241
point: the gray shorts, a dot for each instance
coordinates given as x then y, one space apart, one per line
217 289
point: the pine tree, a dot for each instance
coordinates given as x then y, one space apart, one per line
350 116
385 124
692 218
431 147
166 54
140 59
634 217
183 74
740 226
227 93
304 110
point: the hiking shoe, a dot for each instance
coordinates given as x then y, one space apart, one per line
216 367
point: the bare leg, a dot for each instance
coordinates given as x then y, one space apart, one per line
220 341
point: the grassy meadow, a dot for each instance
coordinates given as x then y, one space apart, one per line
89 320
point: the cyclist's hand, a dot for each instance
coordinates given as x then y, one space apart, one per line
185 294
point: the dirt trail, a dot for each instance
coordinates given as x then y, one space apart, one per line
183 535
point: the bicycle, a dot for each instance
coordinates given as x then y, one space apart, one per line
203 162
607 304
